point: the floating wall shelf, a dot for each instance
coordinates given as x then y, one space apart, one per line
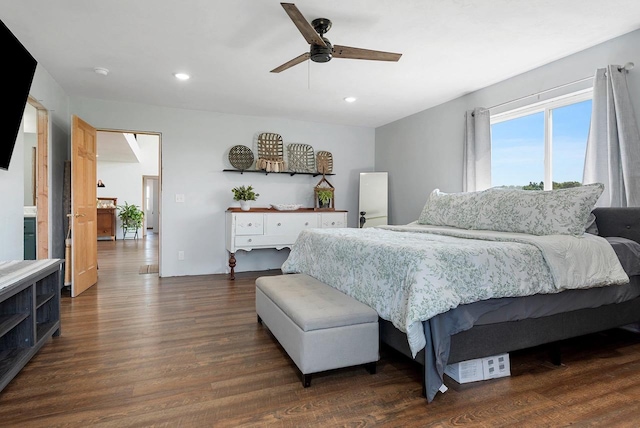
242 171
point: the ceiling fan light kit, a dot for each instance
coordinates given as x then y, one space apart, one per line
320 48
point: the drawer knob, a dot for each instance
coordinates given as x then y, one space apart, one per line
250 240
306 223
333 223
279 224
249 225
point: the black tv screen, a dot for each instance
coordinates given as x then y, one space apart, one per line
17 74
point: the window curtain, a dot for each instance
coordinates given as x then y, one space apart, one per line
613 145
476 173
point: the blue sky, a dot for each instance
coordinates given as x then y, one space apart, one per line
517 148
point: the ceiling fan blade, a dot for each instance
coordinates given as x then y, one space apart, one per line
357 53
297 60
303 25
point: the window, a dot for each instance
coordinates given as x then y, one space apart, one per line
542 145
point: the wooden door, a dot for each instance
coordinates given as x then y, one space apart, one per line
84 240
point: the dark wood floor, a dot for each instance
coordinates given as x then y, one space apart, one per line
137 350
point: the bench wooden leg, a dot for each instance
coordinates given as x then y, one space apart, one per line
371 367
306 380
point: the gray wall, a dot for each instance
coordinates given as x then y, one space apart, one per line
420 152
11 211
53 98
195 147
424 151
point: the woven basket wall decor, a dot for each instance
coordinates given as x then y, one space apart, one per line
324 162
270 152
300 158
241 157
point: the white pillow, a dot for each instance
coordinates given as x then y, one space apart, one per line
538 212
450 209
591 226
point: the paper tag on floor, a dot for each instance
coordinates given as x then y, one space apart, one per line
443 388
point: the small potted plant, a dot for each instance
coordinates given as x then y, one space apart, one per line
131 217
324 197
244 194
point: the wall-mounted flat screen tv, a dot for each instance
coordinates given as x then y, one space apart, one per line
16 73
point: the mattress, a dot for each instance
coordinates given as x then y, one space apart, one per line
540 305
439 329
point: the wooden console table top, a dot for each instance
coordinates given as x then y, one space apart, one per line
273 210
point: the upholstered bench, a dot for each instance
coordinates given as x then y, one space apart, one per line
320 327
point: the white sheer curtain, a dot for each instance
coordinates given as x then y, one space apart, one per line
476 173
613 146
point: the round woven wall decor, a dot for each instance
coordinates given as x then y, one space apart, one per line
241 157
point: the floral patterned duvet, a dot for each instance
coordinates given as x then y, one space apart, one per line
410 273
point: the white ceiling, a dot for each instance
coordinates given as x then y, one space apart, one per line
113 147
449 48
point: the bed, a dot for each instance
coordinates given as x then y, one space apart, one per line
488 319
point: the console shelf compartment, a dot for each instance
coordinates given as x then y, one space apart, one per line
29 311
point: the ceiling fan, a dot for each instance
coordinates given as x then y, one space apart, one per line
321 49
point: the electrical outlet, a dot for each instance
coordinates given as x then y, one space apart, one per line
179 197
180 255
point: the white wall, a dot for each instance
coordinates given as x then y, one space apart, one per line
424 151
55 101
420 152
11 209
195 147
53 98
123 180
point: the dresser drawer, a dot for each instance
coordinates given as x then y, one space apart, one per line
333 220
249 224
290 224
264 241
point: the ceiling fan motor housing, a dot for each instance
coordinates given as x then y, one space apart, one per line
322 53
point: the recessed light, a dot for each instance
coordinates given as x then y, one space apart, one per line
350 99
182 76
101 70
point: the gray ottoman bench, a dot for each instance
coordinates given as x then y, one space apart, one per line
320 327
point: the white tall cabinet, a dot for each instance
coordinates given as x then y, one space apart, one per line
261 228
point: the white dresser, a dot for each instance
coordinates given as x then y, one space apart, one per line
267 228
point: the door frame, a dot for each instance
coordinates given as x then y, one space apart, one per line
159 177
42 180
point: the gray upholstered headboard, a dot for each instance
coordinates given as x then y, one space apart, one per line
623 222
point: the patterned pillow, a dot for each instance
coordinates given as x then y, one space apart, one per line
591 226
538 212
450 209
